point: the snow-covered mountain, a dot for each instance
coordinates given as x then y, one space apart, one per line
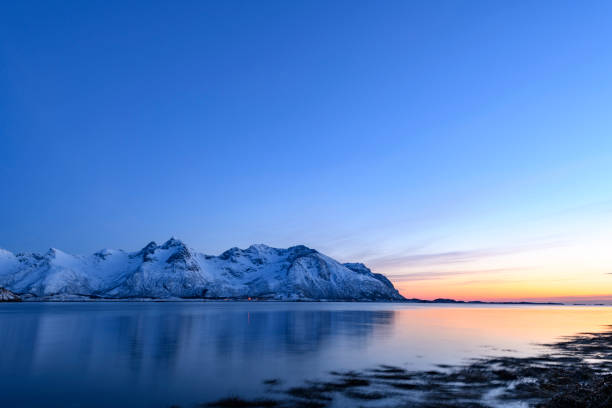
174 270
8 296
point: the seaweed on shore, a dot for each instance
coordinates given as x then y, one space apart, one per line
594 394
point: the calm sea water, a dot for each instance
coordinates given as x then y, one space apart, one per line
159 354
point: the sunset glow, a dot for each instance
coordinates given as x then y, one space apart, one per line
469 158
306 203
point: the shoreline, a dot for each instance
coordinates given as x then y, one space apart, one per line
179 300
575 372
84 299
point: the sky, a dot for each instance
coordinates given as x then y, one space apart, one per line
463 148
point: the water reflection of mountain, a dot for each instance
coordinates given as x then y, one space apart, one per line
137 341
289 332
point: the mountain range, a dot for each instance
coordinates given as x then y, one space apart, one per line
173 270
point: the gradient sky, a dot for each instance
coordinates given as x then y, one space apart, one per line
463 148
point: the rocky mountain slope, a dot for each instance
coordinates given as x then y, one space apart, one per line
172 270
8 296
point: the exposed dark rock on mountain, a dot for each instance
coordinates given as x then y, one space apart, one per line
172 270
8 296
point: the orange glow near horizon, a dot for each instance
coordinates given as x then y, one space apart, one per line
570 273
537 286
504 292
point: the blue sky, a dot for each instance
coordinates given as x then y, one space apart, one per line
375 131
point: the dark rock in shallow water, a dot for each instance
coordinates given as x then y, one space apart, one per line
8 296
574 375
592 394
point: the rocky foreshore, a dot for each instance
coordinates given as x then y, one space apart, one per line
575 373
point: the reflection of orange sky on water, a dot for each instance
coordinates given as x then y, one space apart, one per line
531 322
451 334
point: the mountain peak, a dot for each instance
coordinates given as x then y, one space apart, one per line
358 267
259 248
231 253
149 248
173 242
147 251
55 253
299 251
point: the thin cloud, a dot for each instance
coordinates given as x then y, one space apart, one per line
422 276
433 258
455 257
